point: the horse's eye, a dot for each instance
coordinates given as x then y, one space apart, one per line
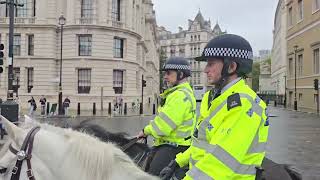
3 170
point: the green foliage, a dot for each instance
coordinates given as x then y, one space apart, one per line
163 58
255 75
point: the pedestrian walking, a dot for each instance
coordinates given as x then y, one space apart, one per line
66 104
33 106
43 102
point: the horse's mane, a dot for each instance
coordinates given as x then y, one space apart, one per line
95 158
120 139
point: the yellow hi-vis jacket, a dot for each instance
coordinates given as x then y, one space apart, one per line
176 119
231 138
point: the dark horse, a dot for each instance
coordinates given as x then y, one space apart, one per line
139 153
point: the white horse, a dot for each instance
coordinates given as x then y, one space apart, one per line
63 154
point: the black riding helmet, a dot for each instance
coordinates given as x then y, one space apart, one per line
178 64
230 47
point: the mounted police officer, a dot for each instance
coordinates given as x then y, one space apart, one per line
230 139
173 126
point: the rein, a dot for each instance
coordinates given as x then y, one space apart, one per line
24 154
133 141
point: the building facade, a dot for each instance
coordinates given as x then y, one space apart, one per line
108 45
190 43
279 49
303 44
265 82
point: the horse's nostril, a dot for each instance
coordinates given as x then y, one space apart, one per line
3 170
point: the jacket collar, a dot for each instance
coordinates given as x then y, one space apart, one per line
170 90
230 84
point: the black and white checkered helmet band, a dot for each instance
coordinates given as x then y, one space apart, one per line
228 52
176 67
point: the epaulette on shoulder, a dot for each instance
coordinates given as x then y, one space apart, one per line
233 101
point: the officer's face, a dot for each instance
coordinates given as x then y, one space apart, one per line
213 70
170 77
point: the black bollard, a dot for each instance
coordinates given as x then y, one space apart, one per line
109 108
78 110
125 109
48 108
154 109
141 108
94 109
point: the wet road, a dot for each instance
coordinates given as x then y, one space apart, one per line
294 137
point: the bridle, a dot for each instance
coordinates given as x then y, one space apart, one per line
133 141
24 154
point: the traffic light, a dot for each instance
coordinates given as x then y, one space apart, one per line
1 57
316 84
144 83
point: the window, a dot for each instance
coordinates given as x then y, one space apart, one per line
300 96
29 79
199 37
316 5
290 18
116 10
291 67
17 45
85 43
30 45
300 64
118 47
300 10
172 51
181 52
316 60
16 79
22 11
191 38
137 80
86 9
84 81
118 81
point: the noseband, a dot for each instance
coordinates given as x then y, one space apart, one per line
24 154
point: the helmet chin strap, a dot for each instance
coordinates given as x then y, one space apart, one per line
224 75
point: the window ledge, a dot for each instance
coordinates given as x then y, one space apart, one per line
315 11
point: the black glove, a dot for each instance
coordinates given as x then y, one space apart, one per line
168 171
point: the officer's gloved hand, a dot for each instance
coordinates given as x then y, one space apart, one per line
168 171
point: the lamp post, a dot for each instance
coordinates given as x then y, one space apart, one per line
285 91
62 21
10 109
295 77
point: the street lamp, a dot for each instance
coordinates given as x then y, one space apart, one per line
285 91
295 77
62 21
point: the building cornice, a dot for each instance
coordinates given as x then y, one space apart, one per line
306 28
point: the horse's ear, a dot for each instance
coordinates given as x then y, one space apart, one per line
15 133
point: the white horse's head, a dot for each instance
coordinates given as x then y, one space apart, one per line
67 155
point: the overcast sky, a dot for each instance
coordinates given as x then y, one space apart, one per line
252 19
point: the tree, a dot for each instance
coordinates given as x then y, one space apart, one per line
161 63
255 76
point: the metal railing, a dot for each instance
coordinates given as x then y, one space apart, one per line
85 21
18 20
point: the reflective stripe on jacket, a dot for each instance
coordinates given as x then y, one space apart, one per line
231 138
176 119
